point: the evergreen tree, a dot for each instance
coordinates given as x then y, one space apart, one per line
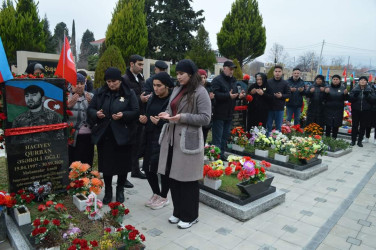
270 73
173 22
58 37
242 35
127 29
238 73
92 62
50 42
86 48
73 41
201 52
7 30
111 58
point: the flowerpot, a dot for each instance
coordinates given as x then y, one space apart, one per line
257 188
262 153
212 183
282 158
22 215
305 161
237 148
79 200
3 228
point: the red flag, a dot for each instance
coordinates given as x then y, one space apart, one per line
345 75
370 78
66 68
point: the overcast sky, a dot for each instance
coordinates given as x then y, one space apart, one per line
347 26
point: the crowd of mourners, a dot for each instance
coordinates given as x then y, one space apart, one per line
167 123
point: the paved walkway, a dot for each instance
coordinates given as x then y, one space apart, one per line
333 210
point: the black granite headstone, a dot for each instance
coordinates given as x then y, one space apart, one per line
36 156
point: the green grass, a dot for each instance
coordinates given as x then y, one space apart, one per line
229 185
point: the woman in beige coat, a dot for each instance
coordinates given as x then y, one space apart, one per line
182 145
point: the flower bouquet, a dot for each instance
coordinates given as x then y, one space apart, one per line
45 230
307 148
127 236
262 142
255 131
212 152
78 243
93 207
83 180
282 147
117 212
313 129
212 173
239 138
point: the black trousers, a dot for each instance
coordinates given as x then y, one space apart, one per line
83 151
185 195
360 120
333 130
137 149
368 131
152 178
108 182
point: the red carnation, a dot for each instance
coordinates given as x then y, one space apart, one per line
76 241
41 208
129 227
132 235
142 237
249 98
56 222
126 211
107 229
49 203
94 243
115 212
35 232
45 222
42 230
36 222
72 248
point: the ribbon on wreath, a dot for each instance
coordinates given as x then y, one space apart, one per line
35 129
241 108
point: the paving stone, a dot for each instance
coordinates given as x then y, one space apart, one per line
361 160
364 223
340 180
348 172
372 208
297 181
354 241
366 155
355 166
332 189
192 248
154 232
267 247
374 195
305 212
320 199
285 190
223 231
289 229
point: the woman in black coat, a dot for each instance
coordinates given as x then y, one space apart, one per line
258 108
316 95
114 111
153 125
362 97
335 96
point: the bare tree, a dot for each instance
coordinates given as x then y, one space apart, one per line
338 61
278 54
255 67
309 60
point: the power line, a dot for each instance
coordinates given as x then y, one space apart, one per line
350 48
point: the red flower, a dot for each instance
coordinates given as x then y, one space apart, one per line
142 237
56 222
228 170
72 248
249 98
35 232
41 208
260 124
40 190
115 212
2 116
42 230
262 169
129 227
126 211
45 222
60 206
21 191
265 163
76 241
132 235
107 229
49 203
36 223
94 243
69 113
317 137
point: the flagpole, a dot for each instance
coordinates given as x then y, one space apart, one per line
64 56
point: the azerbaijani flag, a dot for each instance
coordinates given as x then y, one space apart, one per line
345 75
320 71
328 75
352 78
5 73
15 97
370 78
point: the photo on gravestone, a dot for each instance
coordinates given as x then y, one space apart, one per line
36 141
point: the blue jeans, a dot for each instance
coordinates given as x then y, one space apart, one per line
220 133
276 116
290 110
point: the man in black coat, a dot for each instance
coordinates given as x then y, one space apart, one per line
135 80
281 91
294 105
159 66
225 94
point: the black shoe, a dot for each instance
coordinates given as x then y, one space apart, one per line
138 174
360 144
352 143
127 184
120 194
107 196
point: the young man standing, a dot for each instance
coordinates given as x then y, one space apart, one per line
281 92
294 105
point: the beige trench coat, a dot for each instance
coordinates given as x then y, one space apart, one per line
186 137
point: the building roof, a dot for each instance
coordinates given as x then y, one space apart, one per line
222 59
98 42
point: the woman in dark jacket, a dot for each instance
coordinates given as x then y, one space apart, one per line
316 94
153 125
373 117
258 107
335 96
208 87
362 97
114 111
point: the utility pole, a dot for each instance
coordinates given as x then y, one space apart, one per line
322 47
348 63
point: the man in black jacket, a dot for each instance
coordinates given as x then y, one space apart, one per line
294 105
225 93
281 92
135 80
159 66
